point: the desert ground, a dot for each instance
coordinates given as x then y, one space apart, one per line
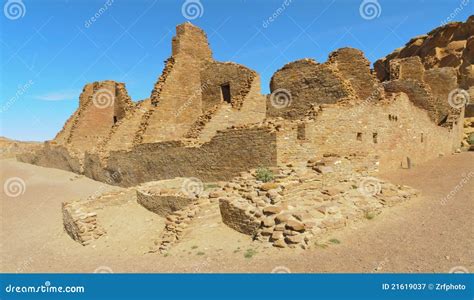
421 235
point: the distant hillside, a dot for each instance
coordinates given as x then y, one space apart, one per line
10 148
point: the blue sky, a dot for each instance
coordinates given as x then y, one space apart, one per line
49 49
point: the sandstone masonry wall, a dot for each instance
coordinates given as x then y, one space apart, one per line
248 106
177 95
228 153
309 83
353 66
401 134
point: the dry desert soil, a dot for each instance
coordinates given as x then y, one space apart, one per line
421 235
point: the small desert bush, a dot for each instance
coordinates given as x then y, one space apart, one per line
369 215
209 186
249 253
470 140
264 175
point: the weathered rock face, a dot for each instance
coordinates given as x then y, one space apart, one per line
445 46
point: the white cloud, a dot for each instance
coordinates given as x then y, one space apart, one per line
59 96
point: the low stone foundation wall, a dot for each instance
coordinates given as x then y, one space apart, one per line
239 215
302 205
80 225
167 196
81 219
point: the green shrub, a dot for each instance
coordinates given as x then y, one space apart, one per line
369 215
470 140
249 253
264 174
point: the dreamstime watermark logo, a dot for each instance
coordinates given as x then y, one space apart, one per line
276 13
370 9
103 98
191 99
192 187
281 270
14 9
103 270
110 180
456 12
19 92
464 181
373 97
459 270
25 265
14 187
458 98
280 98
192 9
370 186
98 14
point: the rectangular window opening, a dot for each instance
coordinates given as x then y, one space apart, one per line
115 119
375 137
359 136
301 132
225 90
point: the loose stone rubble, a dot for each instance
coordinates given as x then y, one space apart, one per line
303 204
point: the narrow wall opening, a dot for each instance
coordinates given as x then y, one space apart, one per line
225 90
301 132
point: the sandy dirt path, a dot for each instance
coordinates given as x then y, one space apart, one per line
423 235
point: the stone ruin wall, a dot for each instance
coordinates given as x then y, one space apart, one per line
394 130
428 89
178 103
346 76
327 114
355 67
101 105
121 136
308 82
228 153
53 156
215 74
247 104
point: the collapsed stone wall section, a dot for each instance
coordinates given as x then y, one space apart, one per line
354 67
308 83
